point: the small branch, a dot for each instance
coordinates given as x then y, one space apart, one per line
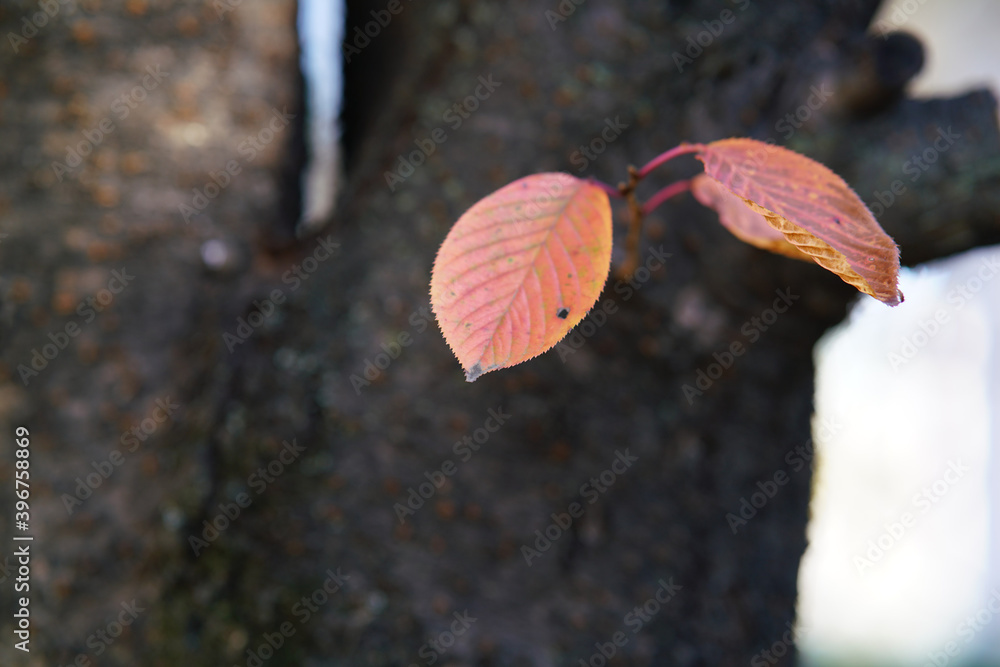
637 211
683 149
666 193
626 270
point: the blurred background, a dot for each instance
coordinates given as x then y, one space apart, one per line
249 443
903 563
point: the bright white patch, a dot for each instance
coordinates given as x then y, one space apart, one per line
214 254
321 31
961 51
904 536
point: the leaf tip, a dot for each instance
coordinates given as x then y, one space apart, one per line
473 373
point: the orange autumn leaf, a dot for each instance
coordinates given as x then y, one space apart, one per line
813 208
744 223
520 269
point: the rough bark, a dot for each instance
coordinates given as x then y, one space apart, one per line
332 507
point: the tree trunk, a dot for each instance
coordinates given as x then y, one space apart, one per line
565 495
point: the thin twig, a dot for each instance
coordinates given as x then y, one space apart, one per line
666 193
669 155
610 189
631 263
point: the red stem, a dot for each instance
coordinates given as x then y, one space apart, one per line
663 195
611 190
669 155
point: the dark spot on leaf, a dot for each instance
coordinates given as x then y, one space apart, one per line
562 313
837 220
